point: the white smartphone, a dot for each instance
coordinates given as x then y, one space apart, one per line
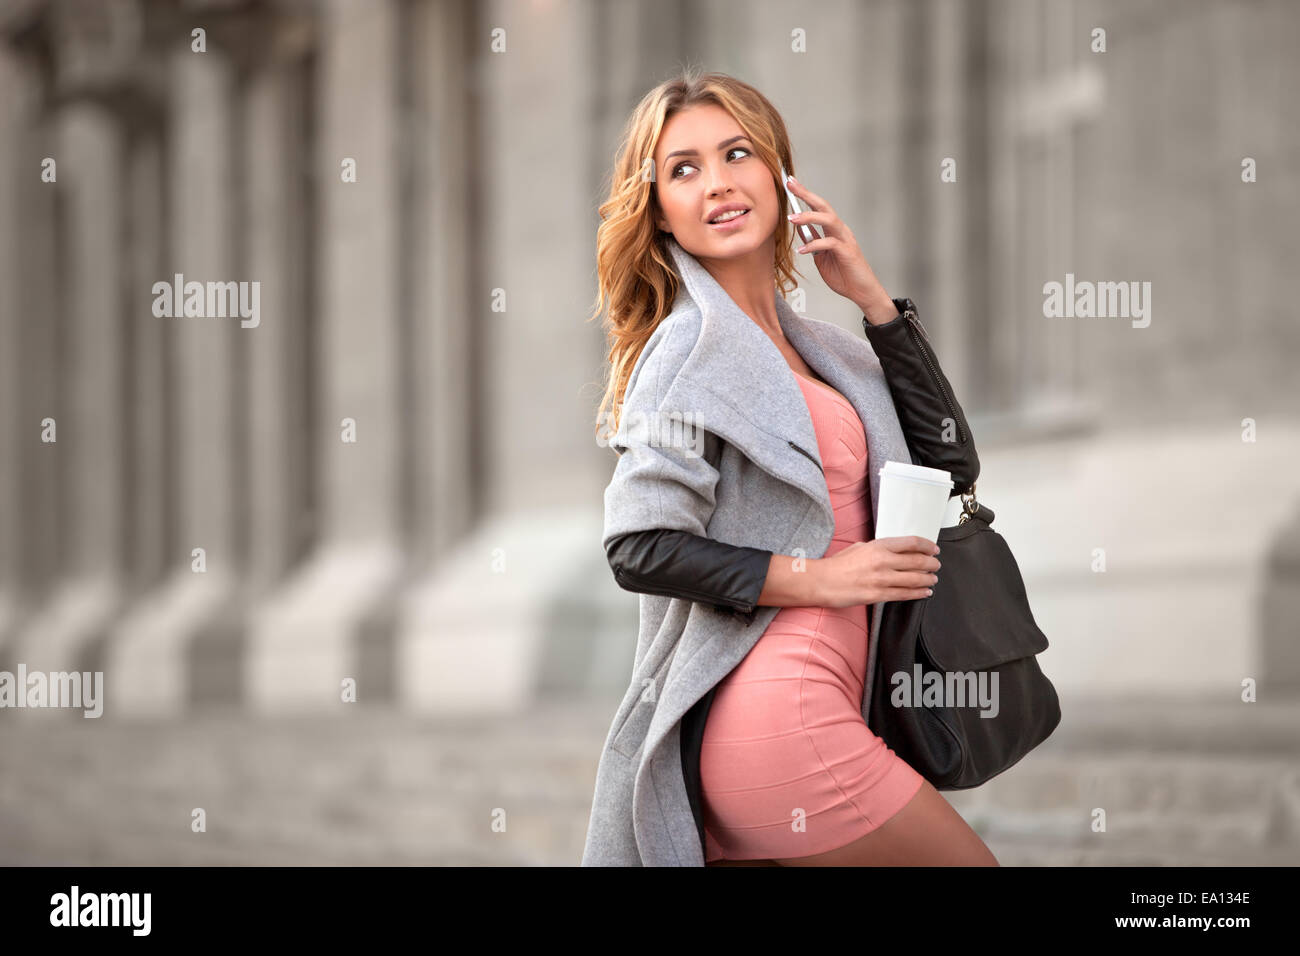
807 231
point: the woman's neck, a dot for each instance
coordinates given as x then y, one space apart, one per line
749 282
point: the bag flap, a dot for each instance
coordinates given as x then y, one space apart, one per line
978 617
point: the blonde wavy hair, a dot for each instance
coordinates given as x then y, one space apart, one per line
634 269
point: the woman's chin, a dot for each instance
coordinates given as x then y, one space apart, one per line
724 246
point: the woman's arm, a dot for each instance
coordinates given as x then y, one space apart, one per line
921 392
697 568
691 566
661 498
932 420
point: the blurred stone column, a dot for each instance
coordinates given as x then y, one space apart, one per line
17 440
89 422
887 157
992 352
277 249
950 313
478 633
145 663
304 641
40 521
150 498
441 146
276 420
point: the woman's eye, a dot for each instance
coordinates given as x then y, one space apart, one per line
734 149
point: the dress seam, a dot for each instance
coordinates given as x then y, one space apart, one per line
811 741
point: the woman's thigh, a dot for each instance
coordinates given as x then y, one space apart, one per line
926 832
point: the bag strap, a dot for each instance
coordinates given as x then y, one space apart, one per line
971 508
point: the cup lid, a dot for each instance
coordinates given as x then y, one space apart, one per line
900 469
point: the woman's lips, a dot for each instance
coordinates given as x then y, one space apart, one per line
733 223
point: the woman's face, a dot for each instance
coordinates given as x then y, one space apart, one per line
704 160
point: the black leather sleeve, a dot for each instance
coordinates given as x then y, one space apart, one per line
681 564
922 396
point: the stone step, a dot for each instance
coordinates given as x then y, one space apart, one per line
1173 802
1172 724
1178 780
377 786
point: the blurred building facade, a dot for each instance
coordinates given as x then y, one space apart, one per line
391 478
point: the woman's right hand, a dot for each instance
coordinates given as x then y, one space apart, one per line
884 569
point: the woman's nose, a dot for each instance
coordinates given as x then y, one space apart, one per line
719 182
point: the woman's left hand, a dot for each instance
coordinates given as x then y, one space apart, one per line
839 260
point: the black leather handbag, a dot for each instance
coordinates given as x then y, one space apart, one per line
957 690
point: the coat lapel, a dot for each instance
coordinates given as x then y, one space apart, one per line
764 412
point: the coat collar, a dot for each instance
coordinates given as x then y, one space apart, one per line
772 412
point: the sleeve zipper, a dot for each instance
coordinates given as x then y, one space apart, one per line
920 339
621 575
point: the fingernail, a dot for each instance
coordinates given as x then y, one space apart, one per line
936 550
929 590
792 215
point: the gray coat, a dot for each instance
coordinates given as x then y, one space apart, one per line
739 480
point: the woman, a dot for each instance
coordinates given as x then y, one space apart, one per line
741 510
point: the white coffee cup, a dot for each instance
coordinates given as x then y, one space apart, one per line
913 500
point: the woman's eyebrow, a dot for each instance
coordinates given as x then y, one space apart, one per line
691 152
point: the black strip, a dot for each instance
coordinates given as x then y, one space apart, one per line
692 740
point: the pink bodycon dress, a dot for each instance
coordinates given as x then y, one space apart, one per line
788 767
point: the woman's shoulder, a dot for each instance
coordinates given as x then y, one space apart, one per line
666 350
680 327
851 346
831 333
